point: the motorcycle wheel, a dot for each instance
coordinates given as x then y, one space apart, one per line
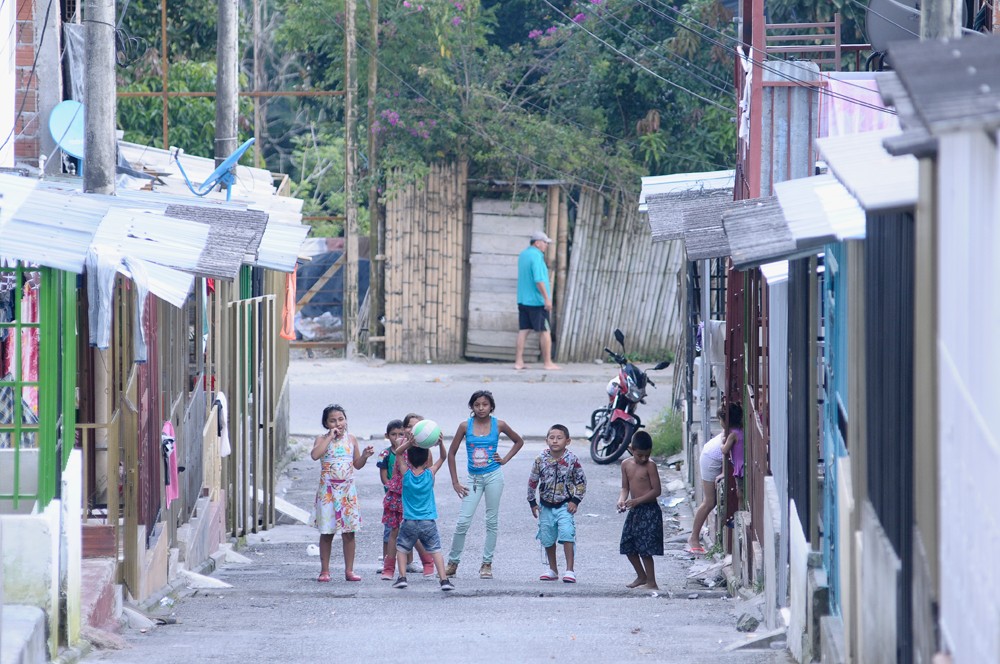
607 443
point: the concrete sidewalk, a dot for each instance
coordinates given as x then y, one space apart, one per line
530 401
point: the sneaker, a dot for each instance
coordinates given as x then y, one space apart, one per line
414 567
446 585
549 575
486 571
400 582
451 570
569 577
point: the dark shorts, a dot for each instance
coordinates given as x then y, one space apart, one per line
643 532
424 531
533 318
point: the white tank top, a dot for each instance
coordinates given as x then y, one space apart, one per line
713 450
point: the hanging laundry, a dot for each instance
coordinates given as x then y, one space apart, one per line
224 447
288 311
169 449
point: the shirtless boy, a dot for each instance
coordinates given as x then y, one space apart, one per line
642 535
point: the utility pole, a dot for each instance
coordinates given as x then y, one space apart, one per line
226 82
376 229
350 306
257 77
99 98
941 18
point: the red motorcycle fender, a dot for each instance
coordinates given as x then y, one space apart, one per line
620 414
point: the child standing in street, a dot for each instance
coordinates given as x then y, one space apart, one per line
336 509
392 503
481 433
561 484
419 510
426 563
642 535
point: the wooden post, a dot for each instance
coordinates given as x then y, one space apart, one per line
350 296
376 224
562 246
551 227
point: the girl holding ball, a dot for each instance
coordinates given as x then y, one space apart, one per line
481 434
336 508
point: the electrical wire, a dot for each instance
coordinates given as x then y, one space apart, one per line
886 18
456 120
31 76
776 72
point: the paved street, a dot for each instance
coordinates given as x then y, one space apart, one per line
277 612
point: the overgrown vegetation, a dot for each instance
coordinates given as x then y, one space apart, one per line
652 357
667 431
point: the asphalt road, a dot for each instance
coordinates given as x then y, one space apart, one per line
277 612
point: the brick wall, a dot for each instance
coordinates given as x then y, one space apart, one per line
27 145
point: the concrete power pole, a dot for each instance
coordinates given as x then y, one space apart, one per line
376 303
99 98
940 18
227 81
350 308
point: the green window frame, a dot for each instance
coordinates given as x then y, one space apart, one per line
50 433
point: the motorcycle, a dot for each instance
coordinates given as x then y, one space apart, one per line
613 426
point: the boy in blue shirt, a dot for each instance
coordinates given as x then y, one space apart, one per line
419 510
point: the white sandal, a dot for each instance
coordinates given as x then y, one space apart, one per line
549 575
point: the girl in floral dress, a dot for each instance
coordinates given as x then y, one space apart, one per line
336 507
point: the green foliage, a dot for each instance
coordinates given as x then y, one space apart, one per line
320 158
667 432
653 357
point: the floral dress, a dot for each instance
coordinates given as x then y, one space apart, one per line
336 508
392 504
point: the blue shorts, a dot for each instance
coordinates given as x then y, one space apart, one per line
385 533
556 525
425 531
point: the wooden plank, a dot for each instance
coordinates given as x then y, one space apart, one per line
520 226
480 301
493 320
487 271
491 243
501 207
492 285
507 260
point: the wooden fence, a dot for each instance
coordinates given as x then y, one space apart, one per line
426 251
618 278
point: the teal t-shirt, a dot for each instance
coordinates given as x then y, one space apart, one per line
418 496
531 269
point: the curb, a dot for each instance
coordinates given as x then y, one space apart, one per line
73 654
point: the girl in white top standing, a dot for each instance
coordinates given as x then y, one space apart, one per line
711 469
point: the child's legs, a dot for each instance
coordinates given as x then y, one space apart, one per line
647 563
469 506
550 553
393 536
431 541
439 563
405 538
349 548
566 528
701 515
493 489
386 531
325 545
640 573
568 548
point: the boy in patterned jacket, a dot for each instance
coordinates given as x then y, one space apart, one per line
561 483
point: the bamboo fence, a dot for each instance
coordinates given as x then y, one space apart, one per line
618 278
425 266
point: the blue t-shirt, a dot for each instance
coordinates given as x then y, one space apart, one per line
531 269
418 496
482 448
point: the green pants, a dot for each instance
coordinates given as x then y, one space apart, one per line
489 485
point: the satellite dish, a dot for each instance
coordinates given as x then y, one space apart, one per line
223 175
66 127
894 20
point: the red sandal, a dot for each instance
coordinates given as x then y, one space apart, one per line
324 577
351 576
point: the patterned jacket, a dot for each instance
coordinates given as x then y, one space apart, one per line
558 481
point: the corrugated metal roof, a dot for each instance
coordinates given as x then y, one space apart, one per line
704 236
758 232
666 211
166 283
279 248
953 84
678 182
880 181
819 208
234 236
775 272
154 237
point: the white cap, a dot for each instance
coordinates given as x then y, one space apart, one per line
539 236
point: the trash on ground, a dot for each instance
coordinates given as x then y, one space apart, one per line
596 516
195 580
747 623
675 485
672 502
312 550
166 601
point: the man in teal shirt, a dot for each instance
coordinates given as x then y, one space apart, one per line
533 301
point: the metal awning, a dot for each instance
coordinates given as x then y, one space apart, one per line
666 211
234 237
880 181
758 233
681 182
819 209
279 248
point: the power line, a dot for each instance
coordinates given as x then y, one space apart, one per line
640 65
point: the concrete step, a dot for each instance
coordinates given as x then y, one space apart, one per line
23 635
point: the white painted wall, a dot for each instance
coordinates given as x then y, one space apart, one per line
777 291
968 364
799 568
72 542
8 42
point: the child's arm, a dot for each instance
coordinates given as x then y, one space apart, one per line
654 487
533 477
383 474
361 456
510 433
578 481
452 467
320 445
623 494
443 455
730 441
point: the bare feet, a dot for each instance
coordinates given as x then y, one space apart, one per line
639 581
649 586
519 367
553 367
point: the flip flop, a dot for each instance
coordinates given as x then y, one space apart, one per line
324 578
695 550
549 575
351 576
